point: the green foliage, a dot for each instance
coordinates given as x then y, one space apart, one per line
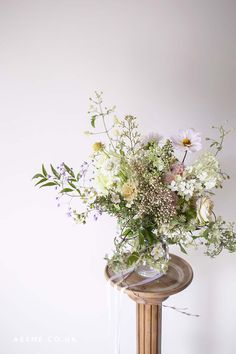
41 181
38 175
93 120
182 249
44 171
49 184
66 190
58 180
69 170
132 259
156 199
56 174
218 143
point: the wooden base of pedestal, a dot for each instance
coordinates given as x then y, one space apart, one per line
149 300
148 329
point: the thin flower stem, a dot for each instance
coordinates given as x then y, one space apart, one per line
185 156
214 215
105 126
103 132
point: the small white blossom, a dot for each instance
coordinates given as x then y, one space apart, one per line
211 183
115 198
203 176
152 138
183 187
111 165
158 252
116 133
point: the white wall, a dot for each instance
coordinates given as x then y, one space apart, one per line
171 63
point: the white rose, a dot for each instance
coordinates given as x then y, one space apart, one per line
204 209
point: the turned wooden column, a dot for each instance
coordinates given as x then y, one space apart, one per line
148 328
149 300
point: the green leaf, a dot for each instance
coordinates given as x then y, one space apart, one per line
214 143
73 180
44 171
141 238
54 171
69 170
41 181
49 184
93 120
182 249
132 259
38 175
126 232
195 237
149 236
205 233
66 190
72 185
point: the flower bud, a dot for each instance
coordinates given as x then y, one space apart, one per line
98 146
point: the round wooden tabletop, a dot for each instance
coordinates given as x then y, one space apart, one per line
177 278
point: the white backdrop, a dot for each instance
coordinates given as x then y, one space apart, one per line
171 63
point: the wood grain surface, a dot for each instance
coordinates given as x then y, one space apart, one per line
177 278
149 298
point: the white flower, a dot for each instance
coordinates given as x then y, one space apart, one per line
116 120
115 198
204 209
111 165
207 170
203 176
116 133
158 252
106 173
91 197
210 183
182 186
188 140
185 188
102 183
136 217
173 186
152 138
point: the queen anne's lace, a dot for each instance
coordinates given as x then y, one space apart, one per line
156 197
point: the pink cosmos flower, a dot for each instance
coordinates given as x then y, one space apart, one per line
177 168
188 140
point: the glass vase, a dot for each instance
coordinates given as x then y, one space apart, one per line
145 270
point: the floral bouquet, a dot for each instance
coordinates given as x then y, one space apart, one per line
157 199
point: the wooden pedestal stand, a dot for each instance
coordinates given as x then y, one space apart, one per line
149 300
